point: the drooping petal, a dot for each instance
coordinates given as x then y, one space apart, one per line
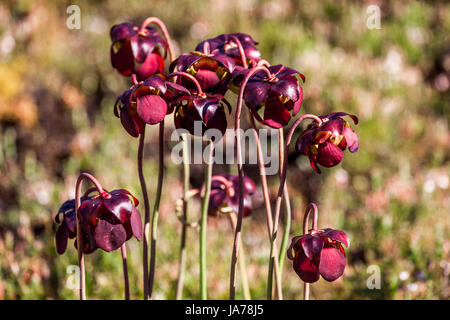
275 114
329 154
128 123
109 237
151 108
312 246
62 235
207 78
119 208
351 139
332 263
305 268
336 235
122 59
136 224
153 64
287 87
256 93
122 31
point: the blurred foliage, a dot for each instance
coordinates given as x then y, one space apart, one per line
57 89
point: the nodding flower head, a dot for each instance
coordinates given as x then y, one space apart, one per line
319 253
146 102
272 100
208 110
137 51
226 44
107 221
224 197
211 70
325 144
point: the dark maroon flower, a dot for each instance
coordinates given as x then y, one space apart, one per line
206 109
146 102
107 221
319 253
224 195
225 44
211 70
278 97
325 145
136 51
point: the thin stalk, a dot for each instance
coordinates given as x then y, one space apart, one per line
242 263
265 187
123 251
166 35
103 194
287 207
204 220
147 213
237 233
187 76
186 174
154 232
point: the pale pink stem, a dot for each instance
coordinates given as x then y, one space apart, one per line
188 76
163 28
241 51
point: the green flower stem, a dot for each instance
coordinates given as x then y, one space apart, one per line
186 174
287 208
147 213
154 232
204 220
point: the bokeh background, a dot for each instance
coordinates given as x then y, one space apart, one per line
57 90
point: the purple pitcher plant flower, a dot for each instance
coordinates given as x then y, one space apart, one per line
272 100
319 253
107 221
325 144
224 195
137 50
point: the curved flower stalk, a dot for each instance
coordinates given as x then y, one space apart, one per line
106 221
318 252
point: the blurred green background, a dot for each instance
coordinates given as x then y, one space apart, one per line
57 90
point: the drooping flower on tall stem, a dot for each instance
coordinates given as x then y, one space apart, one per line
105 220
325 144
273 97
318 252
133 52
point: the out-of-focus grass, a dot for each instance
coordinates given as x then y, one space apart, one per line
57 89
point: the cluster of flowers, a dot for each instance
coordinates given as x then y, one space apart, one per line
273 95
